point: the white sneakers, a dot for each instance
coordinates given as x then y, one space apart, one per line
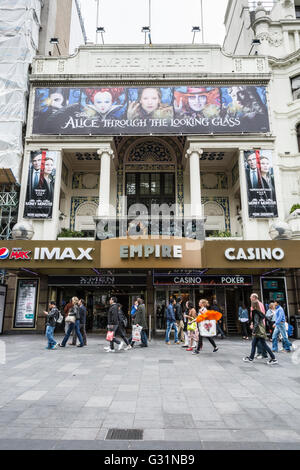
121 345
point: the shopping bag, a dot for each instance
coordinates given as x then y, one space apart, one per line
192 326
136 333
208 328
110 336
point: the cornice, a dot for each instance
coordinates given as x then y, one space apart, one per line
284 61
143 80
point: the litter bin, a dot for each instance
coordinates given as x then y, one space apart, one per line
296 326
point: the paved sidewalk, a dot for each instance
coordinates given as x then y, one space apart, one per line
69 398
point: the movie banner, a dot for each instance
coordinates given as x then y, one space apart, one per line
151 110
3 290
26 301
261 191
40 185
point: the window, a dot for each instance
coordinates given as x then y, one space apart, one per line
297 8
298 136
296 87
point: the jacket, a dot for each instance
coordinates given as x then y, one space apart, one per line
52 316
243 313
178 312
258 324
82 314
170 315
140 316
113 317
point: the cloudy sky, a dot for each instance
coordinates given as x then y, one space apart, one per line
172 20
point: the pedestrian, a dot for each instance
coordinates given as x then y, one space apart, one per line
203 304
244 320
261 353
140 319
67 308
270 319
179 319
192 329
116 324
171 322
82 313
219 323
185 321
279 328
74 319
52 317
259 334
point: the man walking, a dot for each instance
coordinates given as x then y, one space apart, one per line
114 324
179 319
82 313
280 329
171 322
220 331
52 316
140 319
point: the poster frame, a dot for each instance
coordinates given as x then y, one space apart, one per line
15 326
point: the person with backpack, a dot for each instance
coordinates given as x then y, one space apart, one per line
259 334
116 323
52 317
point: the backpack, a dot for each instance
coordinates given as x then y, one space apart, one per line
60 318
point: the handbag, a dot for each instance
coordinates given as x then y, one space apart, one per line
71 318
208 328
136 333
192 326
110 336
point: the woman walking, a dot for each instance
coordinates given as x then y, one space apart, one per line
74 318
244 319
203 304
192 329
259 334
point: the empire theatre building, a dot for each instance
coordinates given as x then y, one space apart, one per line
151 171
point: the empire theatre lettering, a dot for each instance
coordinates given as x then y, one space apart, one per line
152 62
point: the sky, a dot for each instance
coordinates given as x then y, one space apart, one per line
171 20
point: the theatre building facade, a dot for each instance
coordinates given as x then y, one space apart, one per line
154 171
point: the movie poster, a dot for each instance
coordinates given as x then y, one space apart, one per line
262 201
26 301
151 110
40 185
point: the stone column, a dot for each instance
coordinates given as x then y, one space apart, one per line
286 40
296 38
106 154
194 153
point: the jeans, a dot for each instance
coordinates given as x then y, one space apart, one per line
118 330
144 338
83 333
220 331
280 328
75 325
264 347
171 324
49 335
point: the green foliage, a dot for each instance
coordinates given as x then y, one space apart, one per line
294 207
66 233
218 234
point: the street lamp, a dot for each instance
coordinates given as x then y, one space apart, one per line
100 30
195 29
55 41
145 30
255 42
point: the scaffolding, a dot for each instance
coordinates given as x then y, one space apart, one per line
9 202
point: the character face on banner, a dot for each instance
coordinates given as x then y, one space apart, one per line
57 100
197 102
103 102
150 99
251 160
264 166
36 162
49 165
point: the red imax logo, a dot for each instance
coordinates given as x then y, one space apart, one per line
18 253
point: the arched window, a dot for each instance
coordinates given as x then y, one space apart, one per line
296 87
298 136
